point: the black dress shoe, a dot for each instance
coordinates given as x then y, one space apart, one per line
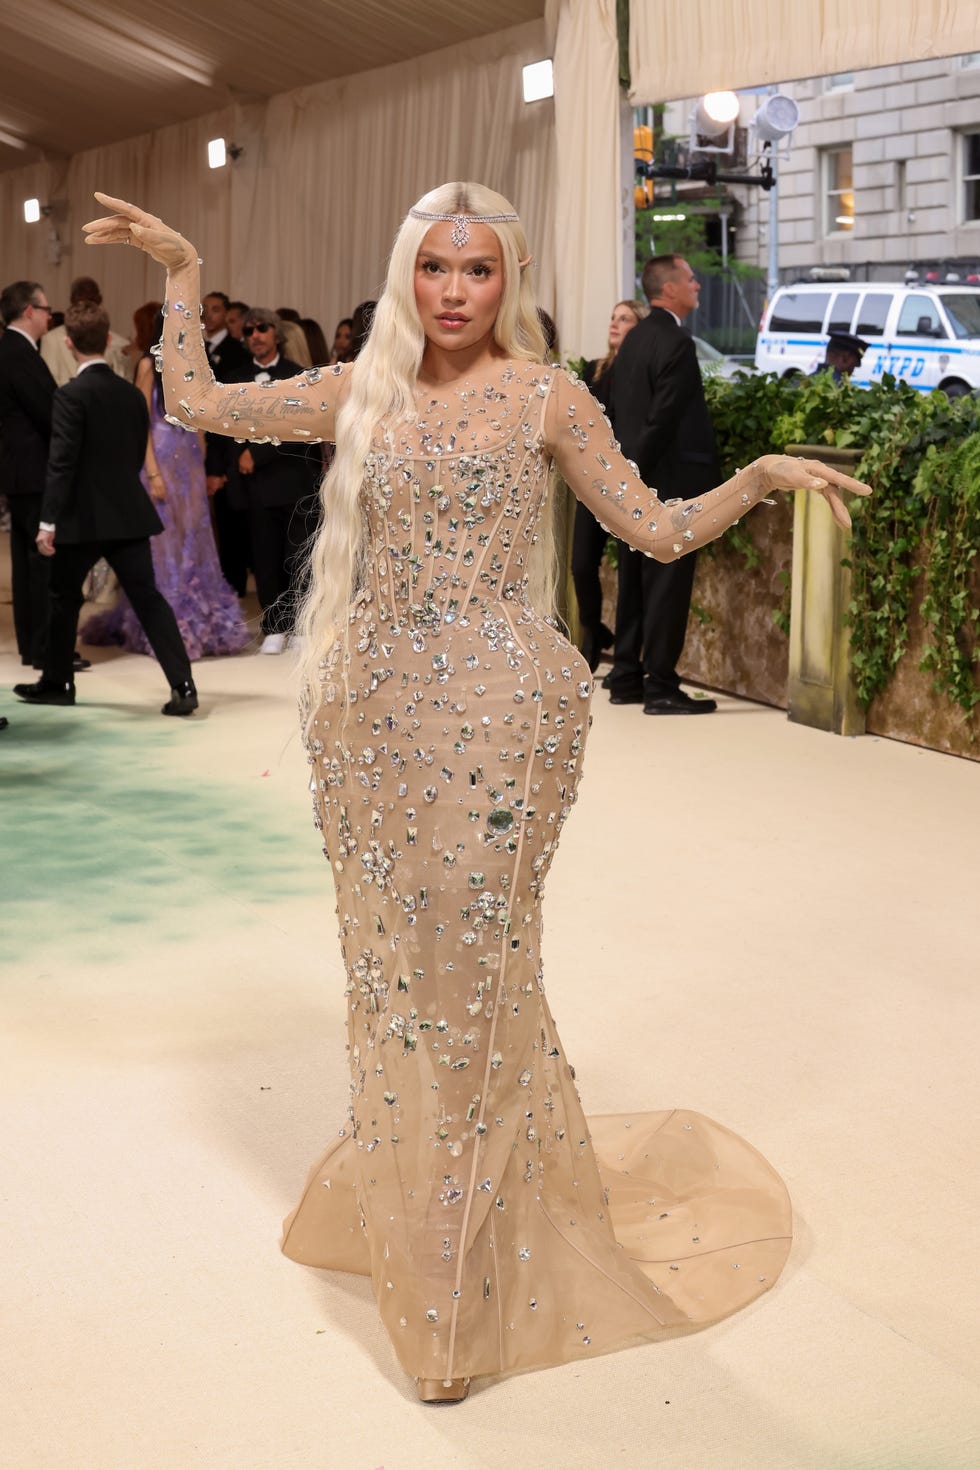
182 701
678 703
594 642
46 691
625 696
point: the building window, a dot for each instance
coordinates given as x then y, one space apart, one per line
839 81
839 190
972 58
971 176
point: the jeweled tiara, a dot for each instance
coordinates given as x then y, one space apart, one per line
461 222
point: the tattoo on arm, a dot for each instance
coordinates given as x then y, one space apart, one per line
243 402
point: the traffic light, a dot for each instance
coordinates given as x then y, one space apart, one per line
643 154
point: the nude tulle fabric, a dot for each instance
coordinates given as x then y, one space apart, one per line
501 1229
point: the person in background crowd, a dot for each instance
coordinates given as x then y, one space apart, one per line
144 318
662 422
281 483
231 362
588 538
315 340
549 332
54 348
26 391
235 318
185 558
295 344
294 338
360 327
227 356
342 338
93 506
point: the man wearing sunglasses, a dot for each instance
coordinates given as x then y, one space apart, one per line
282 485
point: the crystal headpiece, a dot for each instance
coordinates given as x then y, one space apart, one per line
461 222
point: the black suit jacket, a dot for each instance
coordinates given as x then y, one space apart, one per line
93 492
230 362
284 473
659 410
26 391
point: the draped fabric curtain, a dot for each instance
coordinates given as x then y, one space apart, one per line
589 204
682 49
343 161
307 215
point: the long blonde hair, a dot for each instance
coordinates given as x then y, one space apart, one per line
382 384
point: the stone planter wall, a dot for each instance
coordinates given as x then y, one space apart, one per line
734 645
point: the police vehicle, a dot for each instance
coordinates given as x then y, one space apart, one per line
927 335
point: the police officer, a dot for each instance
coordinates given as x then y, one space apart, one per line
843 355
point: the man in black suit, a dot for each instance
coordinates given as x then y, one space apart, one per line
228 356
231 362
26 391
662 423
95 505
281 481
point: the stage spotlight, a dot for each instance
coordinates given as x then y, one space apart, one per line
715 113
539 81
776 118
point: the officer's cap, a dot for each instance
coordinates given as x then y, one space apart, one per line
847 342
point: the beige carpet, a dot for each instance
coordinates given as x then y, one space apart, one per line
771 925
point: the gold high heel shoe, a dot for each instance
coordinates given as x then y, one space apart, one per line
442 1390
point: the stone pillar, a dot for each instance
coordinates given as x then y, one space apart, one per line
820 690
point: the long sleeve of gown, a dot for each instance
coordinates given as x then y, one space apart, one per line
302 409
580 438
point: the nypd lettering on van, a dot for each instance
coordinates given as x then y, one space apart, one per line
929 336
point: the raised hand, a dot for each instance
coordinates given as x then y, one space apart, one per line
130 225
784 472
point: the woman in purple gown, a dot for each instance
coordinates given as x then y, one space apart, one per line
185 558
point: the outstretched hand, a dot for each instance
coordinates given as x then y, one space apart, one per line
785 472
130 225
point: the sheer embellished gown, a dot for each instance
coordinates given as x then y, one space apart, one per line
501 1229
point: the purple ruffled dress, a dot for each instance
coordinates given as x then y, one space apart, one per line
185 560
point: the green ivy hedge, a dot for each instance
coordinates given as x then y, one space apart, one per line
915 540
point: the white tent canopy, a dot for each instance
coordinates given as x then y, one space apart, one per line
683 49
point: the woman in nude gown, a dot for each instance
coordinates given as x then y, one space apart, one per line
446 720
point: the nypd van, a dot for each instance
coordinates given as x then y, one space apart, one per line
927 335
